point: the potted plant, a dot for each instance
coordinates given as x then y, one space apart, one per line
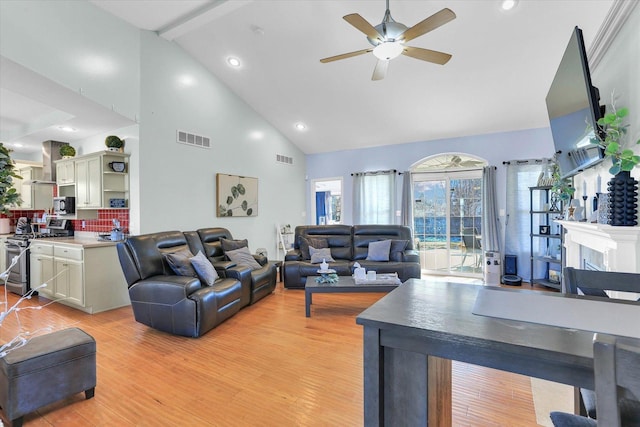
113 143
622 187
612 140
67 151
8 194
561 187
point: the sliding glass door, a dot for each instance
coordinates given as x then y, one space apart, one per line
447 222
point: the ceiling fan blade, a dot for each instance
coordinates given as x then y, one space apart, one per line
345 55
363 25
470 163
431 23
427 55
380 71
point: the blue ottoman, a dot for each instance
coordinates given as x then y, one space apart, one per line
45 370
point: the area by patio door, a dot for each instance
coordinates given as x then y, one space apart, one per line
447 213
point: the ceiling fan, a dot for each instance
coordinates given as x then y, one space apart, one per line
456 162
389 37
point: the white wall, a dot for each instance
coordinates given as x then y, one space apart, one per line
76 45
172 185
618 72
177 181
494 148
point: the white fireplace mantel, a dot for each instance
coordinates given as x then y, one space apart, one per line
620 246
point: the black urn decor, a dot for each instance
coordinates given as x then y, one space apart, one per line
623 199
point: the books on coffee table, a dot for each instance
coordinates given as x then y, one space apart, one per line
381 279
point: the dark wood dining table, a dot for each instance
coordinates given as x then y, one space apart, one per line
412 334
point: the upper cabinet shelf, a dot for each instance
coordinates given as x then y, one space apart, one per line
97 181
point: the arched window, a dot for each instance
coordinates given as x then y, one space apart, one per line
448 162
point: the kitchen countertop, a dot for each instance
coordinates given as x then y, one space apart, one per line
85 242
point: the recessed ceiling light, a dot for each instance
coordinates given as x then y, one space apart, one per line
187 80
508 4
67 128
233 61
256 134
18 145
301 126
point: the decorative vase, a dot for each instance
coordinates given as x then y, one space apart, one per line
603 208
114 149
623 200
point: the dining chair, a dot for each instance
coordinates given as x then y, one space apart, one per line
595 283
616 362
617 371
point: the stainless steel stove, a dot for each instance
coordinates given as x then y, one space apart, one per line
18 245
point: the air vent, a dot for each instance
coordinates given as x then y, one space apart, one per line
284 159
193 139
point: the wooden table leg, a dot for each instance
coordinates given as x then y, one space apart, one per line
307 302
439 392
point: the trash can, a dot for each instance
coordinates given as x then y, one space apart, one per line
492 268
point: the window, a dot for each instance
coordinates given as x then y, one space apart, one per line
374 195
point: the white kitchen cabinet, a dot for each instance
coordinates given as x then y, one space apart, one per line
95 181
88 183
65 172
34 196
3 253
69 269
89 277
41 269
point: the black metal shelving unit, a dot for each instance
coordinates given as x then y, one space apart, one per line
545 248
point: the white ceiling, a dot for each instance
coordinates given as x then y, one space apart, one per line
502 66
32 109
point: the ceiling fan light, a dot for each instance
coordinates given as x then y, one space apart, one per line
508 4
388 50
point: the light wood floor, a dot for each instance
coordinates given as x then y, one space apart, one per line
266 366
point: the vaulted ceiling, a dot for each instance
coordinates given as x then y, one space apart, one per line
502 65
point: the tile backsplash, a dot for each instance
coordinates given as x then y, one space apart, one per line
103 224
15 214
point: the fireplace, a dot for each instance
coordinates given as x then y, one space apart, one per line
591 259
602 247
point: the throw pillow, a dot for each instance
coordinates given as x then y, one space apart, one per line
244 257
180 264
204 268
397 250
319 255
379 251
232 245
316 242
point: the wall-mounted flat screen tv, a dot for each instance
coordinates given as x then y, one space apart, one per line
573 107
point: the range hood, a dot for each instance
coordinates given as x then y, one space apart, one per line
50 153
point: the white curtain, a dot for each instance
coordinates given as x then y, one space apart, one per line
521 174
374 197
